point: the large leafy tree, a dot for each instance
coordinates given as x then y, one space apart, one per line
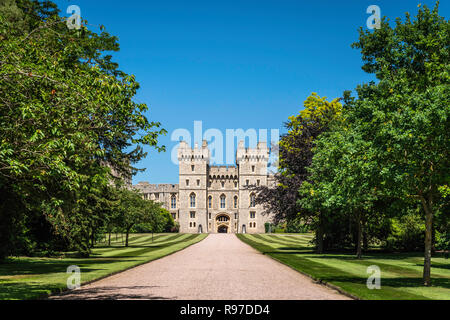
133 210
295 155
66 111
405 115
343 181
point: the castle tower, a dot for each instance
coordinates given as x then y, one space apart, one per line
252 168
193 181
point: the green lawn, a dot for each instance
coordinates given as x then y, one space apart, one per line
401 273
31 278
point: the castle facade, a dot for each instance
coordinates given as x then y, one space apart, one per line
215 199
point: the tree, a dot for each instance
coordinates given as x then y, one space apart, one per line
134 210
405 115
66 111
295 153
343 180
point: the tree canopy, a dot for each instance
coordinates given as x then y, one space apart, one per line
67 117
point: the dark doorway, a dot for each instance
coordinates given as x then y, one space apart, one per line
222 229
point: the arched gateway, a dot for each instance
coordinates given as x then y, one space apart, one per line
222 229
223 223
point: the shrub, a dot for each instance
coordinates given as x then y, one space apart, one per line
408 233
443 242
297 225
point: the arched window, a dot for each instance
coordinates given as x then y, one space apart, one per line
209 202
222 201
192 200
252 200
235 202
173 201
222 218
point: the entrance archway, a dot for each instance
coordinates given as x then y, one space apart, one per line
222 229
222 223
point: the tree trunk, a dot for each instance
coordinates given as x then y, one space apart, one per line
359 241
365 240
365 237
319 236
427 206
126 237
109 239
433 239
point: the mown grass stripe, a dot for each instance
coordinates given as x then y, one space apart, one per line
295 240
401 273
276 243
130 251
31 278
283 243
122 250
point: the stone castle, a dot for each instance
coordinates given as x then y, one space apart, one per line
214 199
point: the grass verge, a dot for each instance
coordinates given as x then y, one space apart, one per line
34 278
401 273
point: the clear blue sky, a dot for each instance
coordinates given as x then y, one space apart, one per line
234 64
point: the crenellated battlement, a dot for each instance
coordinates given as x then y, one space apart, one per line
258 154
186 153
223 172
146 187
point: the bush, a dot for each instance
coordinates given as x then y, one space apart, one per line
269 227
408 233
175 228
297 225
443 241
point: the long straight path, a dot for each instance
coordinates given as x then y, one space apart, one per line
221 267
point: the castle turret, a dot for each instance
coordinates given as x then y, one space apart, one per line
193 175
252 166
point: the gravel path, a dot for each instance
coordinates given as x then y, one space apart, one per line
221 267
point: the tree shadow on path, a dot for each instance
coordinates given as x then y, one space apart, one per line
110 293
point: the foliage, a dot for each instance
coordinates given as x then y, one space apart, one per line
405 115
443 241
176 227
135 210
163 223
391 147
295 153
407 233
297 225
67 116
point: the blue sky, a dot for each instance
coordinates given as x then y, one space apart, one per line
234 64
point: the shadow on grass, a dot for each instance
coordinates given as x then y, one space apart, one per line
404 282
21 290
29 267
110 293
438 265
303 249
